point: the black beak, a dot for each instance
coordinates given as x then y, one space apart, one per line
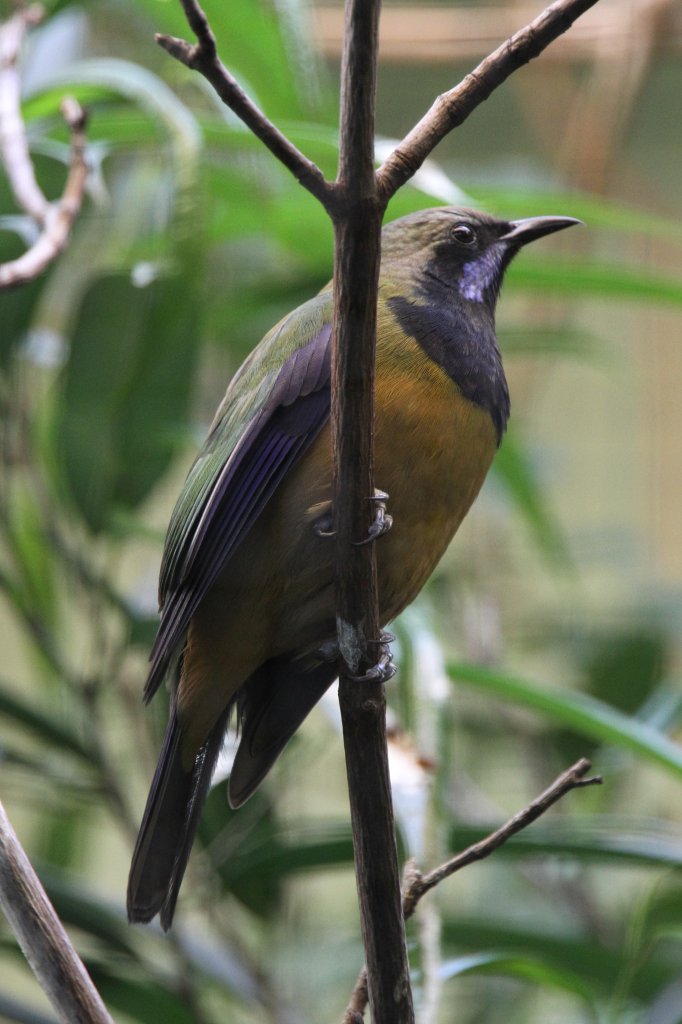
527 230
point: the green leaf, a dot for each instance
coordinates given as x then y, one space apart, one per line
32 553
605 840
514 469
577 711
143 88
566 950
49 730
126 388
144 1000
595 212
602 280
552 342
521 966
16 304
266 52
253 853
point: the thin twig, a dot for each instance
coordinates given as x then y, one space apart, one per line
42 937
573 778
416 885
453 107
60 216
203 57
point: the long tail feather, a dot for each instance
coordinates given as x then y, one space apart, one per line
169 825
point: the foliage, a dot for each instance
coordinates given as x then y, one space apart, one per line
194 242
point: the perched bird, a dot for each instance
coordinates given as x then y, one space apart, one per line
247 589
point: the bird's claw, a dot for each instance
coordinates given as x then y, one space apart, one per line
384 669
382 522
381 672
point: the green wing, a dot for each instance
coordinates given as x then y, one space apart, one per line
275 406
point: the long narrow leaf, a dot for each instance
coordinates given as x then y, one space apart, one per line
577 711
516 473
608 840
46 728
519 966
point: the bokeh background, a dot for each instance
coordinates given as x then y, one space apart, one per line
550 631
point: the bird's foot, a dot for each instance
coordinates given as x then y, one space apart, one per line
382 522
381 672
383 669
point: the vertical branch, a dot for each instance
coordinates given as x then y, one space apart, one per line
357 228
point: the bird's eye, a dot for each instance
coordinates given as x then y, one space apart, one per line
463 234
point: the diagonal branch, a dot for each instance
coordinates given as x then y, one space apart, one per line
42 937
203 57
417 885
453 107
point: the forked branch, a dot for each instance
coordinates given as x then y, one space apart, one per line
416 884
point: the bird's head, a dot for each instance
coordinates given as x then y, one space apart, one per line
462 250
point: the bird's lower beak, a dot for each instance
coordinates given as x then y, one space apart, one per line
527 230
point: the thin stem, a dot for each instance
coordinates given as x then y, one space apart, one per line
416 885
453 107
203 57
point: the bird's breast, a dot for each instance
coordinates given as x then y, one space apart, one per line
433 450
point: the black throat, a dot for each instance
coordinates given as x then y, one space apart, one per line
460 337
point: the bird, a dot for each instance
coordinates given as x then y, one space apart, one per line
246 589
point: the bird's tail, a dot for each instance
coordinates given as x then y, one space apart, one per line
169 825
271 705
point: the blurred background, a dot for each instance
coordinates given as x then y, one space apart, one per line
550 631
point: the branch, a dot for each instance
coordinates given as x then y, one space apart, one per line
42 937
203 57
60 216
453 107
13 145
54 219
417 885
357 246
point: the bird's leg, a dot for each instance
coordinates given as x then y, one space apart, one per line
382 521
381 672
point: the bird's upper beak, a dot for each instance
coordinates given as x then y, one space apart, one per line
527 230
